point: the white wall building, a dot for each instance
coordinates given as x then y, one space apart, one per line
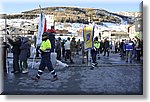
132 32
50 21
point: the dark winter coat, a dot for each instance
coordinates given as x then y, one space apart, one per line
58 46
24 51
73 45
121 45
51 37
16 46
106 44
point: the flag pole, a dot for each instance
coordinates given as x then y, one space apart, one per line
36 44
40 8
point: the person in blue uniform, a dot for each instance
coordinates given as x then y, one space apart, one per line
45 60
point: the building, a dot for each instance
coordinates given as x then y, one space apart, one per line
136 29
50 21
105 34
119 34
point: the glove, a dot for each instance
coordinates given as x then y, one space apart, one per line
40 51
94 48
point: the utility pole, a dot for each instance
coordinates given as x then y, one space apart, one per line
5 35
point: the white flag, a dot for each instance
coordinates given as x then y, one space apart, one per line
41 28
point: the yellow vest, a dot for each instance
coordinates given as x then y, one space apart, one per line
46 45
97 44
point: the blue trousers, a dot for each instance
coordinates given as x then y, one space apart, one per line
46 62
93 55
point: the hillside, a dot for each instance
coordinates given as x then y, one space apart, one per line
76 15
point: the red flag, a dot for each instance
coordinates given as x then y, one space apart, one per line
41 28
45 26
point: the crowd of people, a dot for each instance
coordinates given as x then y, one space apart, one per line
67 49
130 49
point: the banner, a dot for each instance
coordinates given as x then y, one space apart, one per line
88 34
41 28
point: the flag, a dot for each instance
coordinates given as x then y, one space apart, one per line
88 35
45 26
41 28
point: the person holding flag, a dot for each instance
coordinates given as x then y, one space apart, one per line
45 47
90 44
45 61
94 51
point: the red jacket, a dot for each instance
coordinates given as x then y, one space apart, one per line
51 30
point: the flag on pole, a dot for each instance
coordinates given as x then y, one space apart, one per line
88 35
45 26
41 28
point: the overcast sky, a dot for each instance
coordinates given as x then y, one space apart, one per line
18 6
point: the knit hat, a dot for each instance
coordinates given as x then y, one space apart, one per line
44 36
25 39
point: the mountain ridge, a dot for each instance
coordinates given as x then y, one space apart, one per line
77 15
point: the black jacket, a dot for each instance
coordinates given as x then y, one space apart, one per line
106 44
16 46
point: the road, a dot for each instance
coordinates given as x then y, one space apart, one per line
112 76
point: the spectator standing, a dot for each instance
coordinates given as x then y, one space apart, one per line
51 35
24 55
52 30
129 50
58 48
68 51
63 48
78 46
73 46
121 49
113 46
106 47
138 48
101 46
16 52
